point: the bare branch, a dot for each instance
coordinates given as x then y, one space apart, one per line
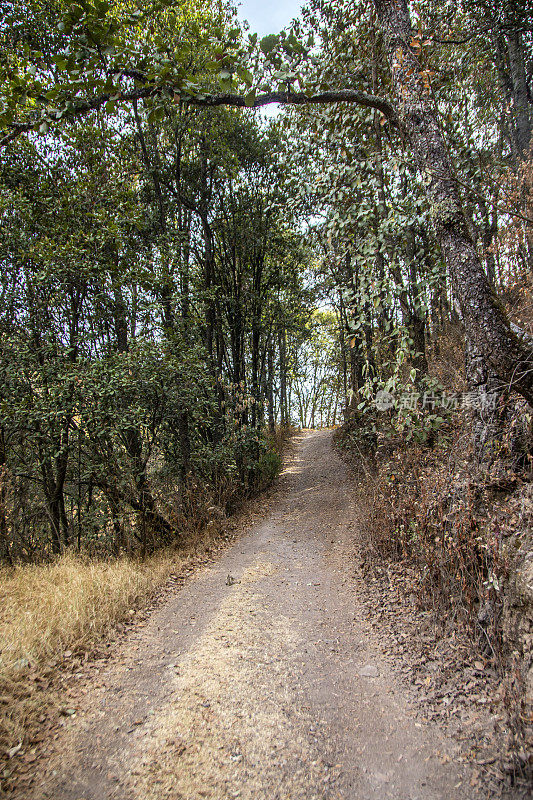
301 99
82 107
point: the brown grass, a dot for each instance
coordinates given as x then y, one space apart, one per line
53 614
422 507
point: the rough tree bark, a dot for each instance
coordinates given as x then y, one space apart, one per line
486 324
521 104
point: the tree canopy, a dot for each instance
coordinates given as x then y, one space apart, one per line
179 275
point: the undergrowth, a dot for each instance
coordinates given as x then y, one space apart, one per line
456 531
418 509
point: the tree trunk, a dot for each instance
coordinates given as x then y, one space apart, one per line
284 416
5 554
486 324
521 106
484 401
270 388
54 473
183 418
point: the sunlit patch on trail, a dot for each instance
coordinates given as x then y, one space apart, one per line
232 728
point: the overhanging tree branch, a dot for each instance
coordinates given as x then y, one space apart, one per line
82 107
79 109
300 99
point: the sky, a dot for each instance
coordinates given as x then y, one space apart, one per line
268 16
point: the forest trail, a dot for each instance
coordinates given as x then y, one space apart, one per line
267 685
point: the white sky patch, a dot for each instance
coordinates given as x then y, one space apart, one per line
268 16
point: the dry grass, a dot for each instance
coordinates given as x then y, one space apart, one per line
46 609
63 609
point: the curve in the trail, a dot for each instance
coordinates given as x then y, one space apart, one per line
264 687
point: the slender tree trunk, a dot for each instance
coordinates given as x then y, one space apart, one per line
118 529
521 104
183 417
357 347
119 316
270 388
284 416
417 316
52 492
342 343
5 554
255 342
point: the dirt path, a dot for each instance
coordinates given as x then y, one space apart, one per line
269 687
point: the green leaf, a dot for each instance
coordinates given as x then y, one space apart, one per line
269 43
250 98
245 75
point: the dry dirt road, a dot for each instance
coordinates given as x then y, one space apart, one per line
263 686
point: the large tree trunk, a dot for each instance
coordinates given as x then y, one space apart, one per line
485 401
486 324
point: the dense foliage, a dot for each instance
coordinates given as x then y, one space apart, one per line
384 266
179 275
149 275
